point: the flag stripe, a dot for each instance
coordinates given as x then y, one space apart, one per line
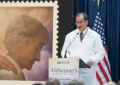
101 75
106 69
103 71
99 79
106 49
106 63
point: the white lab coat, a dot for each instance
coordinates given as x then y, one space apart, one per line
90 48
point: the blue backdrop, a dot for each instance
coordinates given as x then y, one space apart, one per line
110 13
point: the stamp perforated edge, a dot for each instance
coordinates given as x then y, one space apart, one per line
55 26
41 4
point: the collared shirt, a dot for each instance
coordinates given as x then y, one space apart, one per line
84 32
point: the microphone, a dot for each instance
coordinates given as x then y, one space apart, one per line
69 45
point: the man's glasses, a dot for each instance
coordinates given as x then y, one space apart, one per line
78 23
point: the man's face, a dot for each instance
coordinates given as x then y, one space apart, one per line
81 23
29 52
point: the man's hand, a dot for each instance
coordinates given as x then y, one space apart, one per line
6 64
90 62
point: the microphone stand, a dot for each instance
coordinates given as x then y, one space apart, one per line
69 46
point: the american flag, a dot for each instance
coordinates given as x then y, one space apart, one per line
103 72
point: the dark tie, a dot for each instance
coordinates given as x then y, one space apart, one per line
81 36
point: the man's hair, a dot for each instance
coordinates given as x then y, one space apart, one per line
110 83
37 84
75 82
52 81
119 82
26 27
83 14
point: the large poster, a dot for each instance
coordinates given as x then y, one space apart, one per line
26 39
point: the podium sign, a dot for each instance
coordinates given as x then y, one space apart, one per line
64 69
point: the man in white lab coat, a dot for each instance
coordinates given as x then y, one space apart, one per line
85 44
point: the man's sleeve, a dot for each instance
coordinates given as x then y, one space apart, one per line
99 50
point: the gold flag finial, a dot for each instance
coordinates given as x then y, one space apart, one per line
98 2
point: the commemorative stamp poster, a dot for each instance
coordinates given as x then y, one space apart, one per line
27 39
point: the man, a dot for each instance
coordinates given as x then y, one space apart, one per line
52 81
85 44
37 84
110 83
75 82
119 82
24 39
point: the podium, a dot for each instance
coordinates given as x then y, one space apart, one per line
65 69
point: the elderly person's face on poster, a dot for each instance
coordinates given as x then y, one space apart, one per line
24 39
